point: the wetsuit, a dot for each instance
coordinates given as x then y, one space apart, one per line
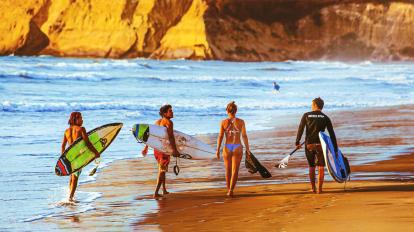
315 121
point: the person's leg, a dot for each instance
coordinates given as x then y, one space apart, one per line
321 168
312 179
72 186
310 156
164 188
227 165
236 159
321 176
160 180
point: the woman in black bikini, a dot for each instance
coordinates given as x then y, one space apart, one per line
233 128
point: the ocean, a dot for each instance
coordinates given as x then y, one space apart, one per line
39 93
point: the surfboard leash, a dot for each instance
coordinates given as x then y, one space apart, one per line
176 167
93 171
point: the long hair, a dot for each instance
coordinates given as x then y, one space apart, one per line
73 119
231 108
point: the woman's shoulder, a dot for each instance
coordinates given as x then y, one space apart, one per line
226 120
239 120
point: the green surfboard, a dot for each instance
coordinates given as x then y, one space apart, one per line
78 155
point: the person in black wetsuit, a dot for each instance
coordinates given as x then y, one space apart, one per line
315 121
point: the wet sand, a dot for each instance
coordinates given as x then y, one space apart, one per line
379 197
364 206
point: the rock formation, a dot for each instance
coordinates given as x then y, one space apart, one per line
238 30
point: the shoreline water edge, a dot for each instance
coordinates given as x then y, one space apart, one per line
199 201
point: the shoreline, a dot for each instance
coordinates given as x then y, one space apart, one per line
197 195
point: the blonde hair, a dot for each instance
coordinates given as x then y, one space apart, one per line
231 108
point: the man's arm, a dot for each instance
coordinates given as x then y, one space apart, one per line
300 130
332 134
144 151
170 131
88 142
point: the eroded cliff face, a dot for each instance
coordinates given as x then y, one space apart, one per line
245 30
324 29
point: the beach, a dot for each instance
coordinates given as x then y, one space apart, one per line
378 197
370 105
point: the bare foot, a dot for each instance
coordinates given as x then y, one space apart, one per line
230 193
165 192
320 191
312 190
72 201
156 195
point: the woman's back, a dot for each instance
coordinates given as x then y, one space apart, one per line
232 130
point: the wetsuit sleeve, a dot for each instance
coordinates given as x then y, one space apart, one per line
300 129
331 133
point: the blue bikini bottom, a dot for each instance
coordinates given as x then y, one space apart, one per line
232 147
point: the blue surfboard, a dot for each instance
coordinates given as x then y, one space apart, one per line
334 164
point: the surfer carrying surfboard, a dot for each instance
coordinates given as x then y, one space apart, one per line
166 113
75 131
233 128
315 121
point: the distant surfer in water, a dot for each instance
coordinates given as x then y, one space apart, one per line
163 160
315 121
233 128
75 131
276 87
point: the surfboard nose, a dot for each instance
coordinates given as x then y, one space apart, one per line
141 132
135 130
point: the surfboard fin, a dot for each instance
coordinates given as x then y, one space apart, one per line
93 171
343 173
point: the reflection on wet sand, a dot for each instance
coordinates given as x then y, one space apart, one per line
374 141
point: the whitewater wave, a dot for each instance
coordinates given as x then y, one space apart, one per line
389 80
137 109
83 76
24 106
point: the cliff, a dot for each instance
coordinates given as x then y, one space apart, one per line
242 30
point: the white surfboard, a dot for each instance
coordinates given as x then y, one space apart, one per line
335 164
157 138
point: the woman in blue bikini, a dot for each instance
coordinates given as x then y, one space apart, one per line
233 128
